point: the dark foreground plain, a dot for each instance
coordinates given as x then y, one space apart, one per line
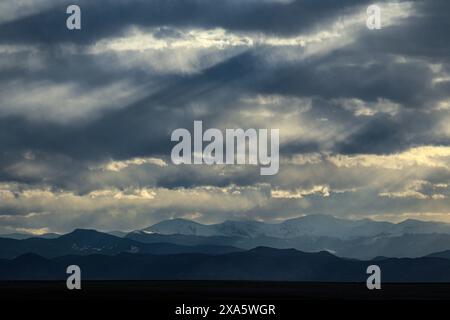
219 290
161 298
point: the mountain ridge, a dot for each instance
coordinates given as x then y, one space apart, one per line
85 242
311 225
407 239
359 239
259 264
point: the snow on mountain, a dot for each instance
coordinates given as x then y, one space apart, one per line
181 226
310 225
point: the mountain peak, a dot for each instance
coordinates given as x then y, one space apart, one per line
80 231
175 221
318 216
315 225
178 226
86 234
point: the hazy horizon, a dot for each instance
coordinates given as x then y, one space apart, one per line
220 222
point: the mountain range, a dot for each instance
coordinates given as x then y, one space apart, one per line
318 225
359 239
259 264
310 248
87 242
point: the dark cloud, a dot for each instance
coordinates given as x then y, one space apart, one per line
423 35
105 18
396 65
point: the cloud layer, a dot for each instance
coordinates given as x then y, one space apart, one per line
86 116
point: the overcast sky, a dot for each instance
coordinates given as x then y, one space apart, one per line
86 116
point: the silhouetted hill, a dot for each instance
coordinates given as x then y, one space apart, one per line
402 246
190 240
258 264
406 245
85 242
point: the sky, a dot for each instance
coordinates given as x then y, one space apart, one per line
86 115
